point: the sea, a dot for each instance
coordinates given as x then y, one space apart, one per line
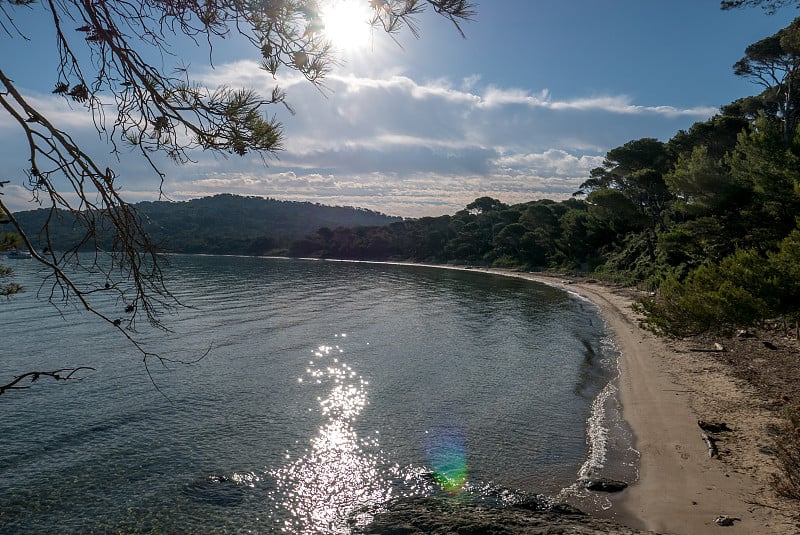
302 396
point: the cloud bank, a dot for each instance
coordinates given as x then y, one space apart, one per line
396 144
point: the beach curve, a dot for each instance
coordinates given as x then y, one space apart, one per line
664 392
665 389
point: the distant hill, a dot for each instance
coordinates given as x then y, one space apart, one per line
222 224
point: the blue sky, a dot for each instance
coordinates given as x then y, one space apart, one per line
521 109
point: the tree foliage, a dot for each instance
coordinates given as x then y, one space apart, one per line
222 224
635 169
770 6
707 220
112 62
774 64
8 241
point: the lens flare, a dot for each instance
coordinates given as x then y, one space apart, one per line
448 458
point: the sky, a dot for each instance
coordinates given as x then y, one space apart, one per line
521 109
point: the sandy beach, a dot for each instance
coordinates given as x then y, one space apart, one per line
665 389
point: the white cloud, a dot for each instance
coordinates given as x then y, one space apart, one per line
248 74
552 162
57 110
394 144
495 97
622 104
470 81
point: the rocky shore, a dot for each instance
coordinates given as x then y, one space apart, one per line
431 516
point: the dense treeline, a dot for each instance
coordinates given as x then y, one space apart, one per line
707 220
222 224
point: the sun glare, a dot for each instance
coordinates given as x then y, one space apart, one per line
347 23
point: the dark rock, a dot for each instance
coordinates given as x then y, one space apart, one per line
539 503
427 515
770 345
566 509
602 484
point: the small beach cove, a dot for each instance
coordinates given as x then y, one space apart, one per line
665 387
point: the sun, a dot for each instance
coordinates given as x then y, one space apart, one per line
346 23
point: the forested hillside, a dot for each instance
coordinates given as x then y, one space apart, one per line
707 219
223 224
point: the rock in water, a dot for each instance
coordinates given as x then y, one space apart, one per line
540 504
602 484
427 515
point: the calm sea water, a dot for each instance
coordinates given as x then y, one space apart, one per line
330 388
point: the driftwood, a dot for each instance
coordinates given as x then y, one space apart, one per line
725 520
711 442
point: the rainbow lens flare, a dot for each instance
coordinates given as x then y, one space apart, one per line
448 458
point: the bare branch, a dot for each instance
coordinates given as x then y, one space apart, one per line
64 374
105 51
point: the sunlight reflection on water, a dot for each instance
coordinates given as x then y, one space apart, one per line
465 371
339 474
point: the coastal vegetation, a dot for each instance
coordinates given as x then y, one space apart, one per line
8 241
706 220
787 446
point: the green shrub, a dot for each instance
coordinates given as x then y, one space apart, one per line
718 298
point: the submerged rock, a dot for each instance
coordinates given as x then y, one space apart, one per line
221 491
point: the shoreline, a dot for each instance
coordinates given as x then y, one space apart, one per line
664 391
665 386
